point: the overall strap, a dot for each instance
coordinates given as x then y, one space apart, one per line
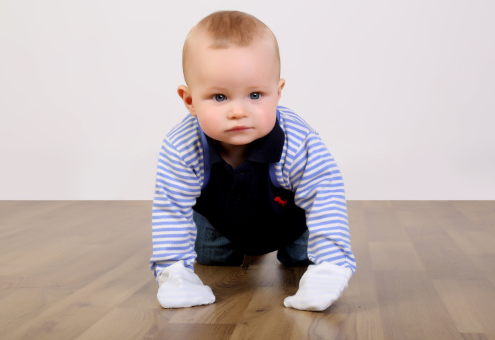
206 157
273 177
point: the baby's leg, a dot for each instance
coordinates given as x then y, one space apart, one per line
212 247
295 254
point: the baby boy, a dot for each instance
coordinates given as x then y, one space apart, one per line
241 175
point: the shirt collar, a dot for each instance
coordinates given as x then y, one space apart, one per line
267 149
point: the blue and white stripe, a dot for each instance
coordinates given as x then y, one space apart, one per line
306 167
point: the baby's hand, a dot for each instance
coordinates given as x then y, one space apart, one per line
181 287
320 286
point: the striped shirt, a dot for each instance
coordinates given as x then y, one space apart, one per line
306 167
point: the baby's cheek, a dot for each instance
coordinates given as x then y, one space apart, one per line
208 125
269 121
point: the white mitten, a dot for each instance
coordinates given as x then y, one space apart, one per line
320 286
181 287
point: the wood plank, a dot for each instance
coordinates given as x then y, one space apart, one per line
33 262
360 306
23 305
411 308
133 323
447 215
474 242
486 264
178 331
363 319
482 213
440 254
18 216
73 315
474 336
470 304
396 256
383 223
232 292
265 311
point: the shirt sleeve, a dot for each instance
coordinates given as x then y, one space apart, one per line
319 190
177 187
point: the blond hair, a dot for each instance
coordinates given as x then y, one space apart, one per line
230 28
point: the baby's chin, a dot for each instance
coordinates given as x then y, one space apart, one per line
237 142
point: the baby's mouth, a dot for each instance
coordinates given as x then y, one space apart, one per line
238 128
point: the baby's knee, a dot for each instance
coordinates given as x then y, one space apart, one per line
291 261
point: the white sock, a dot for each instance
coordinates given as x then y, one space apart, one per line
181 287
320 286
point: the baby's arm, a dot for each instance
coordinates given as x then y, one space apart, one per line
319 190
174 232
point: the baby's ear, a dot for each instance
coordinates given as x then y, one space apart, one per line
185 95
281 84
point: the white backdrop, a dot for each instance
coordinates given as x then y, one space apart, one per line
401 91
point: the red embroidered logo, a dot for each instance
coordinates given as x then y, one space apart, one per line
280 201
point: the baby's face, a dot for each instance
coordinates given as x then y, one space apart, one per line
235 90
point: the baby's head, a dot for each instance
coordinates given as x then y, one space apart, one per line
226 29
231 66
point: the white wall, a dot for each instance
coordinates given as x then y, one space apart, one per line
402 92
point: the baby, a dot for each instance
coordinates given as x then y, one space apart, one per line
242 176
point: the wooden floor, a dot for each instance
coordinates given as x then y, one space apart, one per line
79 270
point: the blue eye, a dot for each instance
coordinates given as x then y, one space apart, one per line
219 97
255 95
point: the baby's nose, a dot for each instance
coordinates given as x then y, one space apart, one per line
237 111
